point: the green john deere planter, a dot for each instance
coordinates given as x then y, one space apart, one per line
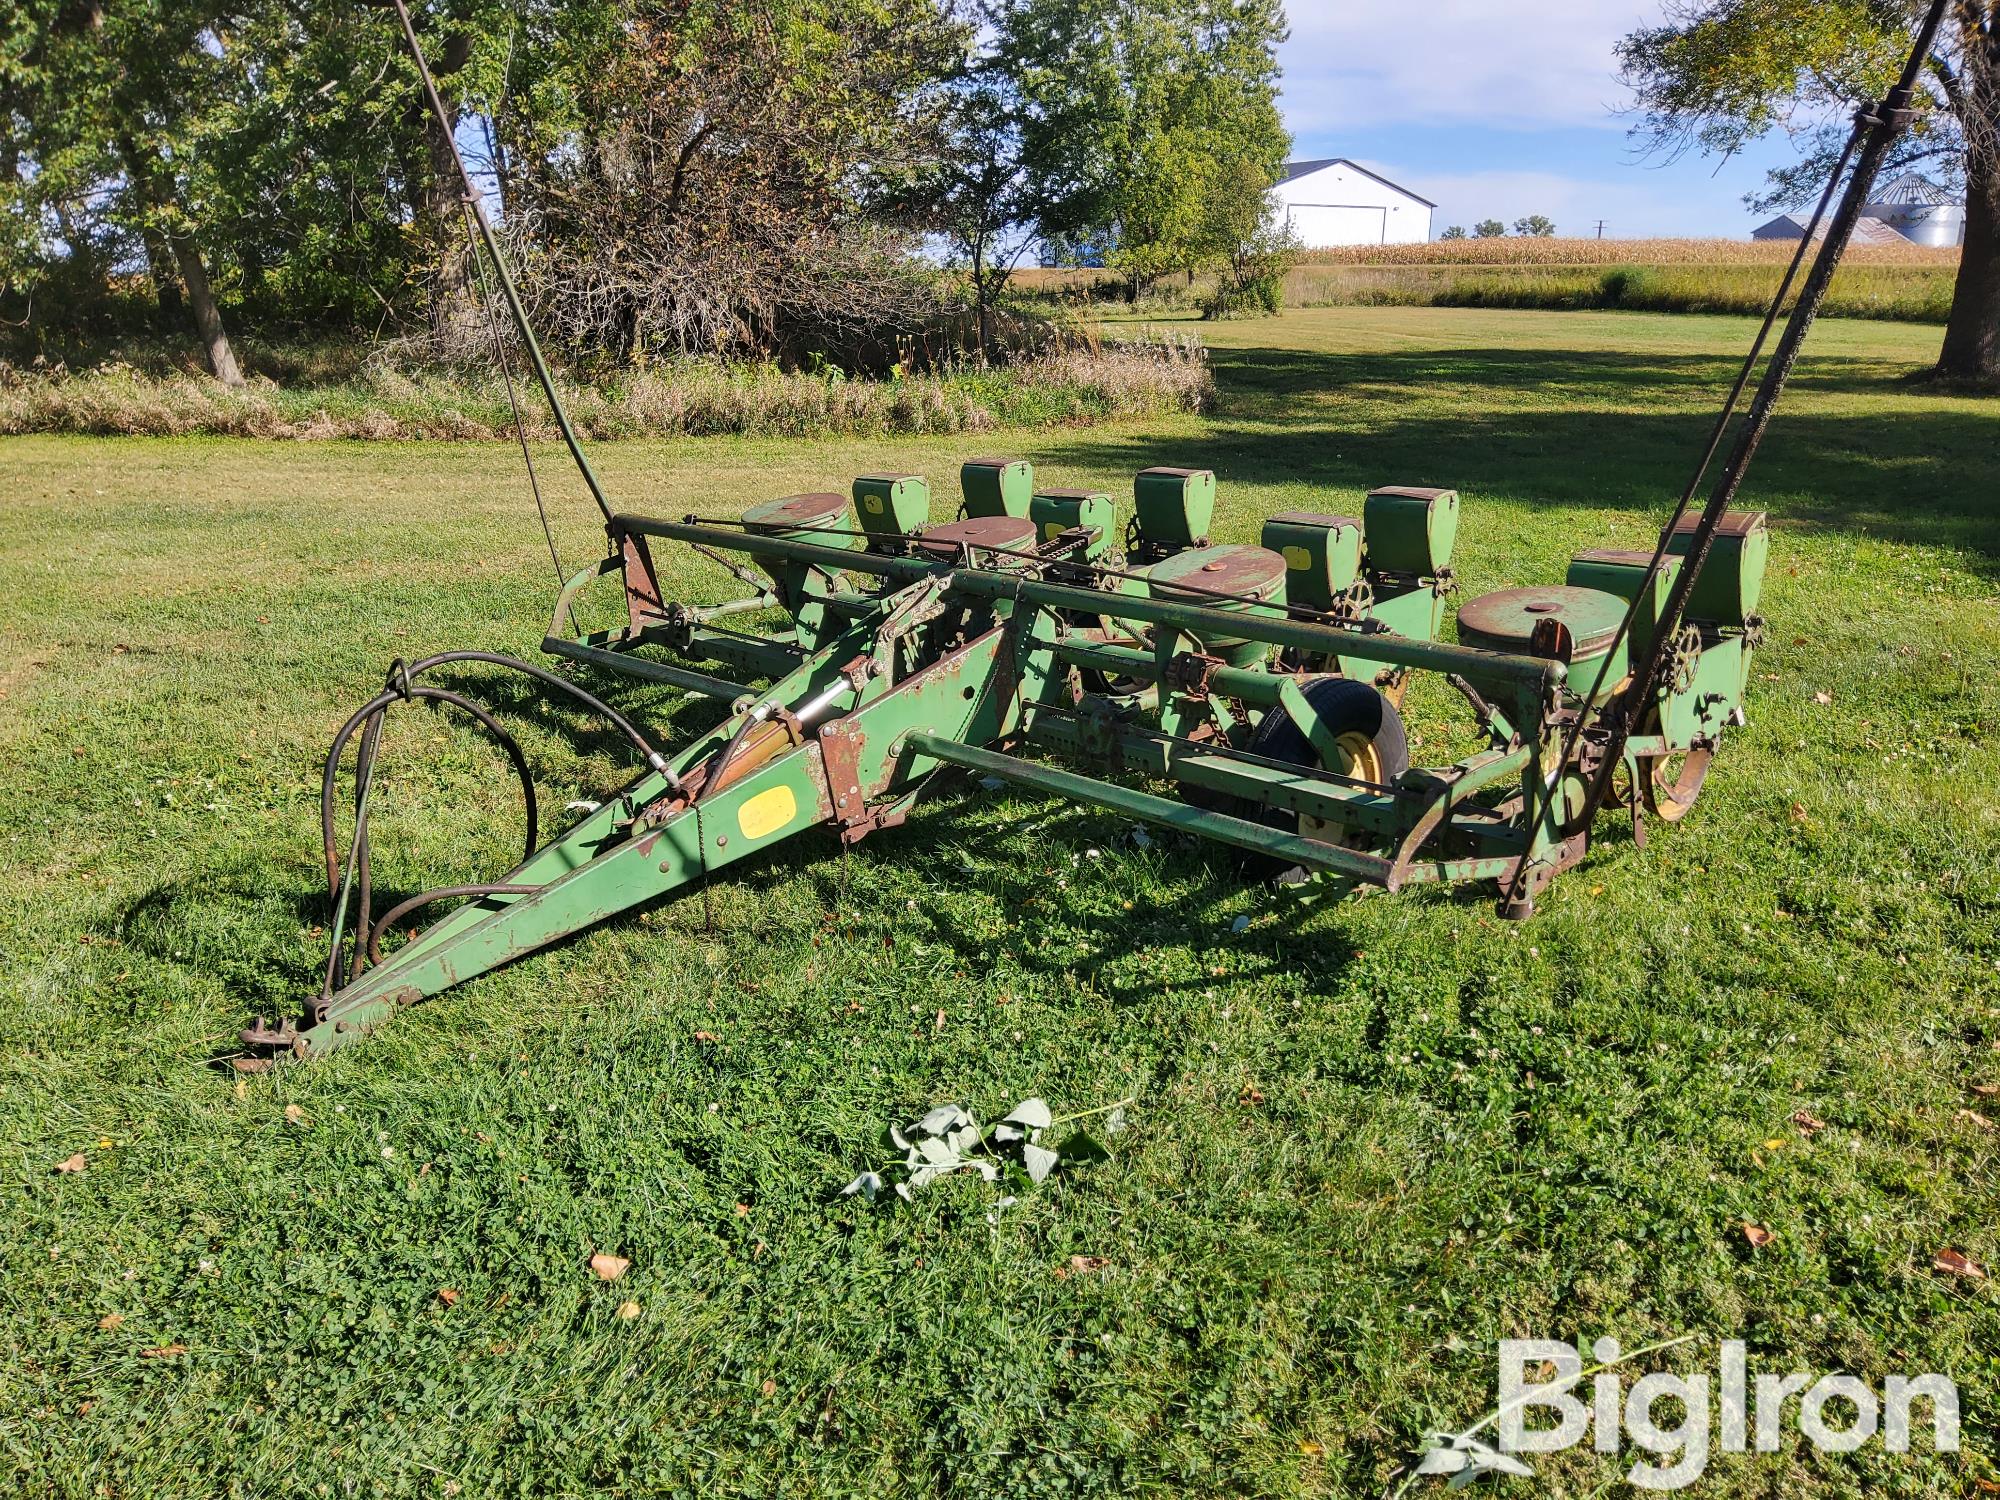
882 652
1245 694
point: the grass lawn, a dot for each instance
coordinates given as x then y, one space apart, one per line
1369 1138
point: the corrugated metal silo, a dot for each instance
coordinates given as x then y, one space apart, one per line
1920 210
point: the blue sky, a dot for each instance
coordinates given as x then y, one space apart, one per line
1501 108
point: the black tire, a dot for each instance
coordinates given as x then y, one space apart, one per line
1345 707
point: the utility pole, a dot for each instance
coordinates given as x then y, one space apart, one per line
1600 229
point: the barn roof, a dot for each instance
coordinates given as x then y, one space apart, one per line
1297 169
1867 231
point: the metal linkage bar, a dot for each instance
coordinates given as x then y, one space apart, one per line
902 569
1323 640
1165 811
685 678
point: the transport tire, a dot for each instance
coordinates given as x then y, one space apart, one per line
1376 746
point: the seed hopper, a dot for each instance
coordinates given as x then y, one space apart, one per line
1245 693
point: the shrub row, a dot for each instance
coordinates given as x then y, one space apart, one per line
1140 376
1909 293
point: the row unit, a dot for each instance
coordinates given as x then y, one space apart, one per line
1405 534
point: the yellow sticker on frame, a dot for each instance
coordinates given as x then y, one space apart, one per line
767 812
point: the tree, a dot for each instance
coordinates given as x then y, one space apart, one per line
1455 232
1719 74
252 161
696 177
1145 123
1488 229
119 102
1535 226
972 189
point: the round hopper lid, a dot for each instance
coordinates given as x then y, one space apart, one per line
1235 569
815 512
1508 618
1013 532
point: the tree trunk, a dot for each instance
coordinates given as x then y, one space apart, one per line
439 192
1972 335
980 296
166 285
207 316
156 191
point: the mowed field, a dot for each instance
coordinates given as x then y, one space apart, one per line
1368 1139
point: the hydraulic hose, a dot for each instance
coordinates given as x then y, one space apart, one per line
349 882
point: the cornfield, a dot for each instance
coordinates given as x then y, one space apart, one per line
1906 283
1510 250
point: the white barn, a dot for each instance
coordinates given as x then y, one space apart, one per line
1335 202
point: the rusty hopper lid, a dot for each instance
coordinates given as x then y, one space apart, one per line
1629 559
817 511
1015 532
1509 617
1235 569
1733 523
1313 518
1413 491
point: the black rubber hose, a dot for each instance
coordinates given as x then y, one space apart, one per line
372 714
402 685
378 704
542 675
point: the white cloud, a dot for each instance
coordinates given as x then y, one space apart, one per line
1356 63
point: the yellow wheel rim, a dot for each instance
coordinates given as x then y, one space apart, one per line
1359 757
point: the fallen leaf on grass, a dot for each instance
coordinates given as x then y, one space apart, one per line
165 1351
1309 1448
1080 1265
628 1309
1958 1263
1251 1096
1984 1090
1775 1143
109 1321
1757 1235
448 1295
295 1115
705 1036
1974 1117
1808 1122
609 1267
1798 812
75 1163
1822 698
742 1210
769 1387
